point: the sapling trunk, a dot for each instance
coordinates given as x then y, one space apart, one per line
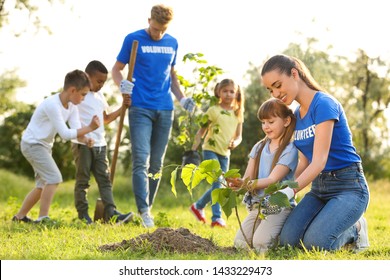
254 224
243 233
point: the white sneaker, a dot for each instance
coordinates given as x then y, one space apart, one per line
147 220
219 222
362 240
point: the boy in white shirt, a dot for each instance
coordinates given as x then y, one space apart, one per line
49 118
95 159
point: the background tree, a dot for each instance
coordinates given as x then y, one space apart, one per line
26 8
255 95
11 130
363 92
9 83
365 100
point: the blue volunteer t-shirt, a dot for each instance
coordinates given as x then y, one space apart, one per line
152 70
325 107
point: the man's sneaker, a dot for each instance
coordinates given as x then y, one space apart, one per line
124 218
25 219
198 213
86 218
362 240
147 220
218 223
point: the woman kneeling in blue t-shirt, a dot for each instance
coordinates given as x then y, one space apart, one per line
330 214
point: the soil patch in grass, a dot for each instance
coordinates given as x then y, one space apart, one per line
179 240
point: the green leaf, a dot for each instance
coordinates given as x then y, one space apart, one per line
279 199
232 173
241 192
230 203
210 178
215 196
290 184
187 174
272 188
173 181
209 165
226 198
197 177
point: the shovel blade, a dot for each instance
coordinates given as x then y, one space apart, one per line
99 210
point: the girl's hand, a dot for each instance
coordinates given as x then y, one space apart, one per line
234 183
232 145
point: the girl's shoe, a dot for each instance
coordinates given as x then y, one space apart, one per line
219 223
198 213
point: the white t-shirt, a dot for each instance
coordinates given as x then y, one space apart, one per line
94 104
50 118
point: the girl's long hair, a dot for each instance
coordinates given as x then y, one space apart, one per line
238 106
274 108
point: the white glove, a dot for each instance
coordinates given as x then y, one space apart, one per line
188 104
126 87
289 192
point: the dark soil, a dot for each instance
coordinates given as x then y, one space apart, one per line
179 240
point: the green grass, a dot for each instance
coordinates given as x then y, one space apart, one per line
70 239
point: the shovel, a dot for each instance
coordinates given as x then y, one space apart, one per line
99 209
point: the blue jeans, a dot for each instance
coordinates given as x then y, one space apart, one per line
206 197
325 218
149 134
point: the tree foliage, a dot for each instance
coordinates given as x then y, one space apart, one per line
362 86
9 83
365 101
25 6
11 130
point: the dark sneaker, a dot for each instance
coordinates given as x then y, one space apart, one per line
86 218
124 218
25 219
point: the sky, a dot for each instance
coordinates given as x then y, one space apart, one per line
230 33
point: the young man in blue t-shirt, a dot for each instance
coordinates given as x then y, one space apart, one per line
151 111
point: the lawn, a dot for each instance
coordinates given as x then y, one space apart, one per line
70 239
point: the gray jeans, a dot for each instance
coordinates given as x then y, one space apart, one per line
92 160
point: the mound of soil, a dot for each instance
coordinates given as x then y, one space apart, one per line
179 240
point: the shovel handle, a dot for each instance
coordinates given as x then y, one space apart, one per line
133 56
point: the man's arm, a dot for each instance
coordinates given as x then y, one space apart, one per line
117 72
186 102
175 86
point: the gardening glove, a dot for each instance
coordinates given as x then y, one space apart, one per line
268 209
289 192
126 87
188 104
